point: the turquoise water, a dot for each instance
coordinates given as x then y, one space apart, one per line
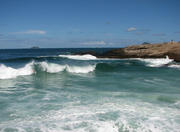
41 91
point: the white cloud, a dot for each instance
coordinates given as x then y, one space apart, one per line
94 43
41 32
131 29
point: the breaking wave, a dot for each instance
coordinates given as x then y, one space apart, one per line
175 66
34 67
51 67
157 62
54 68
79 57
9 72
29 69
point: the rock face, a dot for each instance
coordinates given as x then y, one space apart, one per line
146 51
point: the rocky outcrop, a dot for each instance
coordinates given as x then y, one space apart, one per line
146 51
162 50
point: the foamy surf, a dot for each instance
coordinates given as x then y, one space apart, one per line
9 72
157 62
177 66
55 68
79 57
51 67
82 69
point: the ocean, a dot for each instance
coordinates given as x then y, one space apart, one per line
52 90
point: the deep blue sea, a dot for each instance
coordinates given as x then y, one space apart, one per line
52 90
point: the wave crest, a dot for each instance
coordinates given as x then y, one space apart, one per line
51 67
79 57
9 72
80 69
157 62
177 66
54 68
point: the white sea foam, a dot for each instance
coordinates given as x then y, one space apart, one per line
9 72
157 62
106 115
51 67
174 66
80 69
79 57
54 68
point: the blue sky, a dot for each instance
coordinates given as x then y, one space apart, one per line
87 23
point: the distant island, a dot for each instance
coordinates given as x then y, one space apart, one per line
35 47
145 50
